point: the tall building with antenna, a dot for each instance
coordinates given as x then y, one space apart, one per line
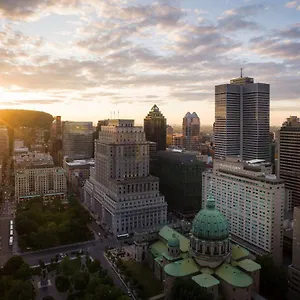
242 119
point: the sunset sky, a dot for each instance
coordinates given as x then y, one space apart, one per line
84 59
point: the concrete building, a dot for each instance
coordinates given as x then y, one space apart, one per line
4 141
36 176
120 191
180 177
191 131
155 126
242 119
253 200
77 140
294 268
77 171
207 257
289 157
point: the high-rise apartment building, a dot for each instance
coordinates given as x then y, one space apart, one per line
253 201
294 268
36 176
242 119
155 125
289 157
4 141
78 140
191 131
120 191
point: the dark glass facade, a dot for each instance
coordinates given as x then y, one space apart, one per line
155 126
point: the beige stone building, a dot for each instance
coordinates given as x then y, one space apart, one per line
36 176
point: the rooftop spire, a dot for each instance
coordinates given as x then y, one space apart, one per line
210 204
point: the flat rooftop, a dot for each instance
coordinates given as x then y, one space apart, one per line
81 162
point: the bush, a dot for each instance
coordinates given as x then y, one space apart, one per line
62 283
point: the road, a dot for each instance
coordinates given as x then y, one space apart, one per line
7 208
96 249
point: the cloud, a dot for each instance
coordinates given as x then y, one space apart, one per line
292 32
238 19
122 51
282 43
293 4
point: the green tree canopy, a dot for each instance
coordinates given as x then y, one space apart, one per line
21 290
13 265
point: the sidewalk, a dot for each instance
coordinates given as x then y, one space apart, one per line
121 279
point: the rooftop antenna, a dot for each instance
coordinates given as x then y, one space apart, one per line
241 72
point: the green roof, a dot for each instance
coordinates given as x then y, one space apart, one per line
209 223
233 276
182 268
167 233
249 265
238 252
158 248
205 280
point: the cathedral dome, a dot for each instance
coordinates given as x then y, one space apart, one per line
210 223
173 241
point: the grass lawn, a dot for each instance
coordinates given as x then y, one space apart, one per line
145 277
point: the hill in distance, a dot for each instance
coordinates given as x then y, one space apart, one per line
15 118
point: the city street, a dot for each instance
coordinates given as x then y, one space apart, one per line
95 249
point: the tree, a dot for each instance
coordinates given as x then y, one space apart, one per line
13 265
94 266
62 283
24 272
80 280
67 267
273 279
21 290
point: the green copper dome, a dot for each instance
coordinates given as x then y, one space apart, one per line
173 241
209 223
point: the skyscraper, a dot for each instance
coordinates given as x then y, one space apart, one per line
120 190
155 125
253 200
78 140
289 157
242 119
191 131
56 141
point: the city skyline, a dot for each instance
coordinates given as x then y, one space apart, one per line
124 56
